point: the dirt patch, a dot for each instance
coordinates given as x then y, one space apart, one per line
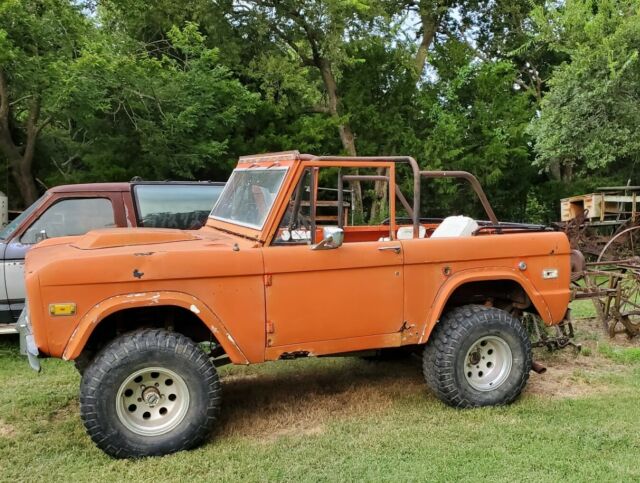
267 404
7 430
302 402
69 410
594 328
573 375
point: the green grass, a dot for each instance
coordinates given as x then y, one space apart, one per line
340 419
582 309
623 355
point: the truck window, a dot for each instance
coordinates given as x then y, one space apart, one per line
70 217
180 206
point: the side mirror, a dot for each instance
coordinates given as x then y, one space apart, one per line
41 235
332 237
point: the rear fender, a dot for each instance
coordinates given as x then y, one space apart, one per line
100 311
482 275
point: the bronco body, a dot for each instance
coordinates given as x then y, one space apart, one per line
267 278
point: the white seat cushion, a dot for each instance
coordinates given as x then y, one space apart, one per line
455 226
406 232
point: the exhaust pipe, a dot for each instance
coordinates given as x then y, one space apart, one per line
538 368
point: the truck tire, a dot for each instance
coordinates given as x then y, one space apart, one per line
477 356
149 393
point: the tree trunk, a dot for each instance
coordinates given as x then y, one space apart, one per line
22 175
379 205
554 170
20 157
430 19
346 134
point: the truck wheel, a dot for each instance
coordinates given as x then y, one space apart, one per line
477 356
149 393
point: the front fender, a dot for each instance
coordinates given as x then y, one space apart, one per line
101 310
482 275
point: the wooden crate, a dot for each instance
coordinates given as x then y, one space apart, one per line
599 206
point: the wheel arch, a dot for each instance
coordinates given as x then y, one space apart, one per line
465 287
194 316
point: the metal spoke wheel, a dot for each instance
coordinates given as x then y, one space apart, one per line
625 303
488 363
621 306
152 401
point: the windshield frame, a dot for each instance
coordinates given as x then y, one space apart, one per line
228 186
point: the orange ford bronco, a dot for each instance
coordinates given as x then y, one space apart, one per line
283 270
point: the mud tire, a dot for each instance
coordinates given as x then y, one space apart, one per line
445 356
135 351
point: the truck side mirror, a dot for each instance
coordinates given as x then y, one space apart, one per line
332 237
41 235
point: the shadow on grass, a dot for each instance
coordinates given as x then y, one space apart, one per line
301 397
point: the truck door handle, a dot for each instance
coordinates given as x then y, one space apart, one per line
394 248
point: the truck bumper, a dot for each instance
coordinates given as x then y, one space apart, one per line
28 345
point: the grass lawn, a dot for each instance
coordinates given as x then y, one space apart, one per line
348 419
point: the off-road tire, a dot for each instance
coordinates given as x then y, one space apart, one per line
82 361
136 351
445 356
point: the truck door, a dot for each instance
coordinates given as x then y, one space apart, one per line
351 292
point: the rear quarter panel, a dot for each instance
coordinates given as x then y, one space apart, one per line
488 257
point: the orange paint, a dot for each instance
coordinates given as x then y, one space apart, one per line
265 302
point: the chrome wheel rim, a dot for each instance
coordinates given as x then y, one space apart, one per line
152 401
488 363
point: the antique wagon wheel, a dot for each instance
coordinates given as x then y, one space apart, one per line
625 304
622 245
622 306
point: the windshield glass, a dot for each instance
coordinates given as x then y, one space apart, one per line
248 196
8 230
185 207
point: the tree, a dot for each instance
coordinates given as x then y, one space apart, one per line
589 119
166 115
39 40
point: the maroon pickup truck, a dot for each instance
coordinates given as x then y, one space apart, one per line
76 209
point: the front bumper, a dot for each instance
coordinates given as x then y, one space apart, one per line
28 345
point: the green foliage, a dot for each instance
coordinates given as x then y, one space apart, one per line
589 117
536 98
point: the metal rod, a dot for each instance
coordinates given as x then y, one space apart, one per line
475 184
404 202
394 159
340 200
365 177
312 205
296 204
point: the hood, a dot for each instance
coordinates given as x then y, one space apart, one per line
139 256
120 237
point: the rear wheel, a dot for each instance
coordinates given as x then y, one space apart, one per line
477 356
149 393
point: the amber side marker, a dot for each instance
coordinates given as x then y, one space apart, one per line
62 309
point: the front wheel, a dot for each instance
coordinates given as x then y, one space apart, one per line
477 356
149 393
